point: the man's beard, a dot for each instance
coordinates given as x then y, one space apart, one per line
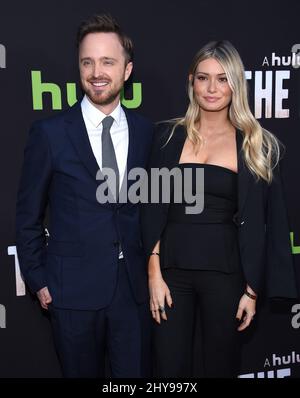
103 98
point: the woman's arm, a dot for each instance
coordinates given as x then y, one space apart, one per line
158 289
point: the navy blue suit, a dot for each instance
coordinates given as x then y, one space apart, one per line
80 263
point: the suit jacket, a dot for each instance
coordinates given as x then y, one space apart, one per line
80 262
261 219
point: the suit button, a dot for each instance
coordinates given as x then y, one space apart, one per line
236 220
116 243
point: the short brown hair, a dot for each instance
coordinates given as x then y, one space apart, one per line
107 24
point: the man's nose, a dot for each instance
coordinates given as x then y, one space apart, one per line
98 70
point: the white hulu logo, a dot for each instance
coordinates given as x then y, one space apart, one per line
2 57
270 374
20 285
2 317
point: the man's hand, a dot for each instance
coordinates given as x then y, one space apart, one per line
44 297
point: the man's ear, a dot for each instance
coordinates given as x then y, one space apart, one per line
128 70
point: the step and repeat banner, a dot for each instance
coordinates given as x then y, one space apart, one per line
39 77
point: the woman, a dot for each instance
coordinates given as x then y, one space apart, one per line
211 266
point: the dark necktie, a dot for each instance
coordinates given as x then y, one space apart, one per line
108 152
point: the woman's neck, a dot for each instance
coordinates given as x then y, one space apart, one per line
214 123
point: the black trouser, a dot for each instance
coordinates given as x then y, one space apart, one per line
203 318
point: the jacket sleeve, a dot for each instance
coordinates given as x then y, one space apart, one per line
280 273
154 215
252 235
31 208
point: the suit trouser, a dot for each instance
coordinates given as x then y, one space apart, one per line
121 330
202 319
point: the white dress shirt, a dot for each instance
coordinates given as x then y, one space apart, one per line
119 134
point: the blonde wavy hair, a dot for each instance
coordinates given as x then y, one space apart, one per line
261 148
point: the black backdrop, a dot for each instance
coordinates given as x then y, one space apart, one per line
37 41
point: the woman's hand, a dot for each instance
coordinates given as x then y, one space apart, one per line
246 310
158 289
159 295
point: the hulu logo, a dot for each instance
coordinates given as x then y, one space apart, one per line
39 88
2 56
295 249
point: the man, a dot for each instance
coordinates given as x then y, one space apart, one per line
91 274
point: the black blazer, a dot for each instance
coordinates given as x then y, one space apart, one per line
262 222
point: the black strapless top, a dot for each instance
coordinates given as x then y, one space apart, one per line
208 240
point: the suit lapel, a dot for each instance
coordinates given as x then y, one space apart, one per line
175 145
243 173
133 148
132 140
78 135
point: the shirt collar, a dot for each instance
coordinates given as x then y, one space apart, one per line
95 116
